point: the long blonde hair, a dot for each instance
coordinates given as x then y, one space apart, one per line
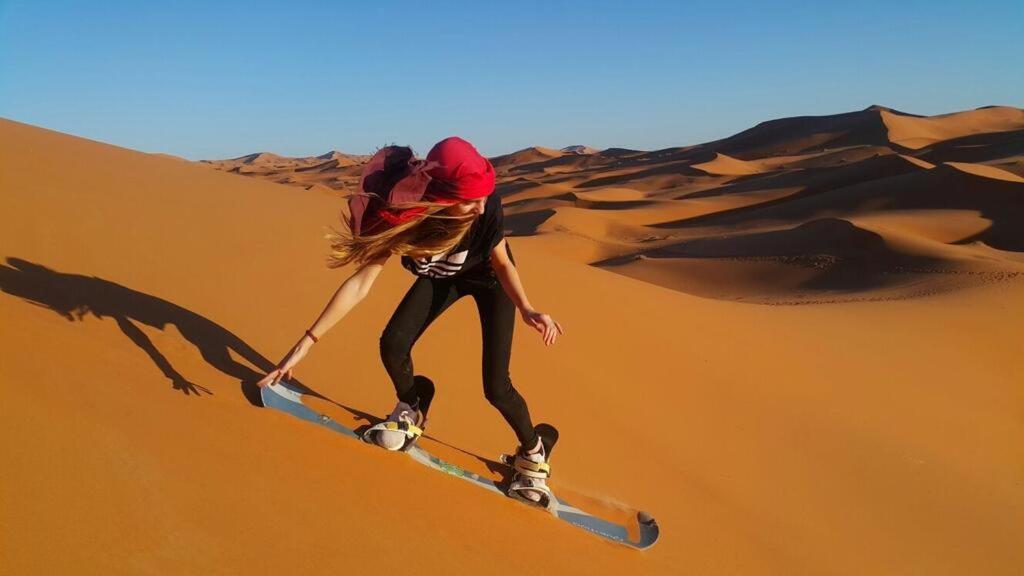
426 234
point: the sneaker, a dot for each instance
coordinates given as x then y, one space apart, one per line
531 488
403 414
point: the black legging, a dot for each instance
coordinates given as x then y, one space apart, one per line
425 301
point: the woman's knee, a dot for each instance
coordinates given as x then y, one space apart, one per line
498 389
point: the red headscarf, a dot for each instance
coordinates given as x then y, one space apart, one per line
452 172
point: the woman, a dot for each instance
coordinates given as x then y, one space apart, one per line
441 216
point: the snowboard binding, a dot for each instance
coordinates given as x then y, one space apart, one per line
404 422
530 473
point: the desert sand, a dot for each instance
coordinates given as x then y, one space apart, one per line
875 428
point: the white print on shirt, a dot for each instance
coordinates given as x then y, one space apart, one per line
440 265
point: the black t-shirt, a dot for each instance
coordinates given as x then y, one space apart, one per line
471 258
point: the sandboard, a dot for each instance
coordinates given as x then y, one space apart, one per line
624 526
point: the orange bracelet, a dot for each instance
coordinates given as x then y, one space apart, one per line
310 334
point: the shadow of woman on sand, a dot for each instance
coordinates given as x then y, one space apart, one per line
75 296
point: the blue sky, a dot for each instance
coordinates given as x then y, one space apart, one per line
222 79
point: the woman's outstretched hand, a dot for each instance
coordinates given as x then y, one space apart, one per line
287 364
544 324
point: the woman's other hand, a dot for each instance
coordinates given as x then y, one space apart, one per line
544 324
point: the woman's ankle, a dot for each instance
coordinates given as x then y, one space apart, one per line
533 446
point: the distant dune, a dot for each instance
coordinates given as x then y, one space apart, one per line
525 156
724 165
917 132
331 170
865 167
579 149
817 178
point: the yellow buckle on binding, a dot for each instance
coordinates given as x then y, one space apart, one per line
531 468
403 427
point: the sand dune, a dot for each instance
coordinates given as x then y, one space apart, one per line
917 132
986 171
578 149
525 156
724 165
783 174
331 170
761 467
806 133
819 256
170 156
955 187
1002 149
142 297
871 166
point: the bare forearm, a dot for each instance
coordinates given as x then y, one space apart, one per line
508 276
351 292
